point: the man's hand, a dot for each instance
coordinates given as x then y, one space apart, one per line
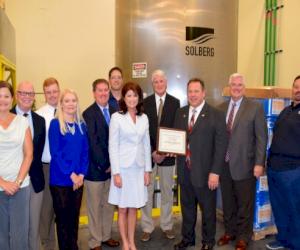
158 158
258 171
118 180
213 181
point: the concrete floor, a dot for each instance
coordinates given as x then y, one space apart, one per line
158 242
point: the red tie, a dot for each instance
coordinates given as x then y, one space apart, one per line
188 151
229 127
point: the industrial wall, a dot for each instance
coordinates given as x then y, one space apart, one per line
75 41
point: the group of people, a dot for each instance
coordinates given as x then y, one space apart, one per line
49 154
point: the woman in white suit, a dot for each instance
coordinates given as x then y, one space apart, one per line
130 158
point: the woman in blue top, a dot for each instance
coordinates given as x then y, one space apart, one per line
69 161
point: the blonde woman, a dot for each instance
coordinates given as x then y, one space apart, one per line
69 161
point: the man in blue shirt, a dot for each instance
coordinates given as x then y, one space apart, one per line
116 83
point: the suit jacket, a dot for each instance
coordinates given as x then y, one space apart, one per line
248 139
36 169
171 104
208 141
129 142
98 143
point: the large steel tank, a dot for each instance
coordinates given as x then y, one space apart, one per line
185 38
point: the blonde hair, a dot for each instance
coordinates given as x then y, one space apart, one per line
60 115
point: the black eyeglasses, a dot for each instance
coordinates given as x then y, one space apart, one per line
24 93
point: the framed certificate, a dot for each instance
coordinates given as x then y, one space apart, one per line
171 141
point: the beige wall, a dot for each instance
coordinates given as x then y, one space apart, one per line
71 40
251 42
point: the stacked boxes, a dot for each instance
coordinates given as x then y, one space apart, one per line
263 212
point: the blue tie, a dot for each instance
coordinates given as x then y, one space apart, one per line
106 115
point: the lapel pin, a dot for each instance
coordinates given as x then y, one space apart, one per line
203 115
184 116
299 112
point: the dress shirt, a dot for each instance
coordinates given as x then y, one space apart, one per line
46 111
29 117
236 109
157 100
105 107
198 111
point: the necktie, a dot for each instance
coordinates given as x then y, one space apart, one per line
160 108
25 114
106 115
54 112
229 127
188 151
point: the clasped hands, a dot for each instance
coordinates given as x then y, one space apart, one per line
10 187
77 180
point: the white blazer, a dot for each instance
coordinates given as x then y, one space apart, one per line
129 142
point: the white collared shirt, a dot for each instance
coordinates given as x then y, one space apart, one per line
198 111
236 109
46 111
157 100
29 118
105 107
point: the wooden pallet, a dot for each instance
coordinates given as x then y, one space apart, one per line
259 235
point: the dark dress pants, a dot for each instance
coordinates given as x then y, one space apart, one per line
66 204
190 197
284 189
238 205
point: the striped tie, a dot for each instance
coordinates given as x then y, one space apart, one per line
229 127
188 151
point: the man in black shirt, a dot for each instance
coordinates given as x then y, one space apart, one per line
284 174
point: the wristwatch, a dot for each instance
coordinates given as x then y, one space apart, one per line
19 182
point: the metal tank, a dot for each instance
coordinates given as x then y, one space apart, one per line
185 38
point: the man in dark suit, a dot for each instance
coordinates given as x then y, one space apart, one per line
244 160
160 108
97 180
198 171
25 98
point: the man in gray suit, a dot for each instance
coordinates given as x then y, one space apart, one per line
244 160
198 171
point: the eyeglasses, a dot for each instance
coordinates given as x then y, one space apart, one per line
24 93
51 92
116 77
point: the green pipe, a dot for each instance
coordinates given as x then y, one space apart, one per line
271 44
267 49
274 43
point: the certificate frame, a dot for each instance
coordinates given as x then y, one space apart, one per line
171 141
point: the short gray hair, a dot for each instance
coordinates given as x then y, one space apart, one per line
158 72
236 75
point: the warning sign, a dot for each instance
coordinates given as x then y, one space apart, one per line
139 70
